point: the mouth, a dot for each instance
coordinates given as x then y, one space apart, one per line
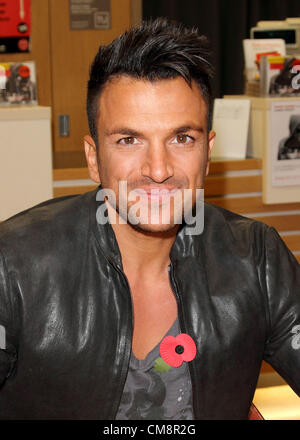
155 193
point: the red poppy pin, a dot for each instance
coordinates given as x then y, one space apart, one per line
175 350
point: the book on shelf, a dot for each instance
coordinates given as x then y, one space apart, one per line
280 75
18 83
254 48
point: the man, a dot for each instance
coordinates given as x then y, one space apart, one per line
289 147
92 289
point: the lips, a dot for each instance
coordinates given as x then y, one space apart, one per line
155 193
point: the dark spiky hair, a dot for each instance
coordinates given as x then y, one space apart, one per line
156 49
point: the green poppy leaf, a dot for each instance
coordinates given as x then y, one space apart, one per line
160 366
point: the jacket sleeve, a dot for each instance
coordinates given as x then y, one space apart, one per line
282 287
8 353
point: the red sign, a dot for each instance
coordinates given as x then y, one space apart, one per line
15 26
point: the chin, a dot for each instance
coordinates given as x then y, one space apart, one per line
159 228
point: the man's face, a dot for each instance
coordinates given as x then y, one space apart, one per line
153 135
297 132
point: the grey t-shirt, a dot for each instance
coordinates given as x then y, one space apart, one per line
156 391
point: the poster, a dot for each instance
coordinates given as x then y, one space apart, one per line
89 14
285 143
15 26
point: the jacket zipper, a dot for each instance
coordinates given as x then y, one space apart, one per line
183 327
127 354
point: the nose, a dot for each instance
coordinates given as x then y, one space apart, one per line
157 163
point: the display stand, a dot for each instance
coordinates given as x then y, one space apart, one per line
25 158
269 125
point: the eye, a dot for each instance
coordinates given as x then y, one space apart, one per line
128 141
183 139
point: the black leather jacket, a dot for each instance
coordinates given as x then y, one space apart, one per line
66 306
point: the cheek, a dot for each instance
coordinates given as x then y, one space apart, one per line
118 165
194 168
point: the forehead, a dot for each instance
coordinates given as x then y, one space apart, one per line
166 102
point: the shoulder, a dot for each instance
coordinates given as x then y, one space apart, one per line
229 230
47 223
217 217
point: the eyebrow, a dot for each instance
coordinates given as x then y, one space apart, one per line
130 132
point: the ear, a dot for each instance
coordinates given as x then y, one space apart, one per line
211 139
91 158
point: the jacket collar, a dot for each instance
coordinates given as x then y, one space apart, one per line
184 246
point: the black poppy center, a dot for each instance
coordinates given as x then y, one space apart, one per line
179 349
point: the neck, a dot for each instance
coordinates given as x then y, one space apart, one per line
143 253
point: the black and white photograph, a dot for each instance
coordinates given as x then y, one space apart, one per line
289 147
285 142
